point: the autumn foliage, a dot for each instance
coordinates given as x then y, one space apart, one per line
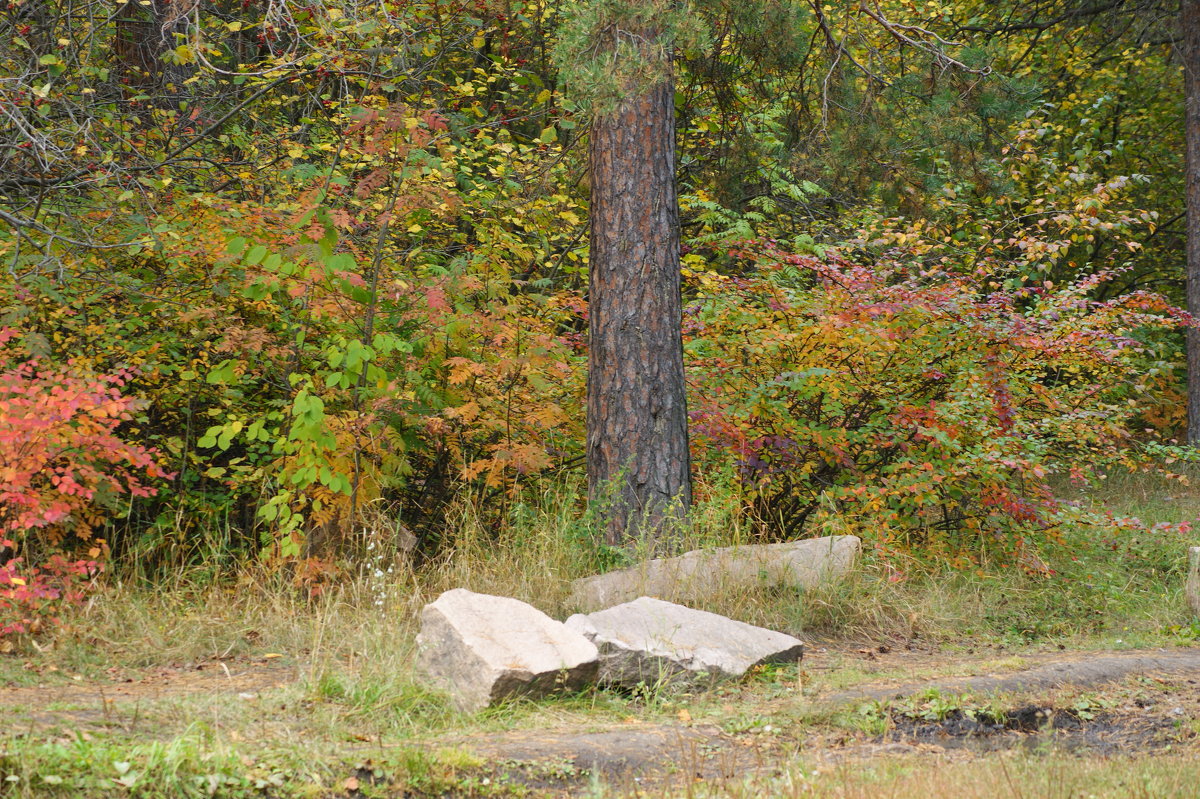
922 408
63 472
328 269
60 457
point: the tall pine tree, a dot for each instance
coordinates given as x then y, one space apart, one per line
620 55
1190 19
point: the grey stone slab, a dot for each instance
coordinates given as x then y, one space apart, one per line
482 649
703 572
655 642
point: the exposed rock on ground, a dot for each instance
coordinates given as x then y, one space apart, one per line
703 572
655 642
1093 670
482 649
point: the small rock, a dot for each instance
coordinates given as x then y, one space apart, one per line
1193 582
703 572
655 642
482 649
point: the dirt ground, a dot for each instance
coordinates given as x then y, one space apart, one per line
1148 702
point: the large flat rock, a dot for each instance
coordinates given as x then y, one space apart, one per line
1193 582
703 572
483 649
655 642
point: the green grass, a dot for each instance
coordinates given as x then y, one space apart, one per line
197 764
1019 776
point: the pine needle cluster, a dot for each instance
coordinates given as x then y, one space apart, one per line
611 49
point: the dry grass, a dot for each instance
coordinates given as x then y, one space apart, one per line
365 622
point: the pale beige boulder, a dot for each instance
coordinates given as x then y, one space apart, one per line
656 643
701 573
482 649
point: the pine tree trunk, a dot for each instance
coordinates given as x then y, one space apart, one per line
1191 82
145 32
637 441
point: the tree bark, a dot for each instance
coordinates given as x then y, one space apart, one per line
144 34
1191 80
637 439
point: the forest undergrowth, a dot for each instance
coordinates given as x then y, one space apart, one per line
1119 591
343 654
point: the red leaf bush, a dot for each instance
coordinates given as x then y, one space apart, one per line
928 411
63 468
